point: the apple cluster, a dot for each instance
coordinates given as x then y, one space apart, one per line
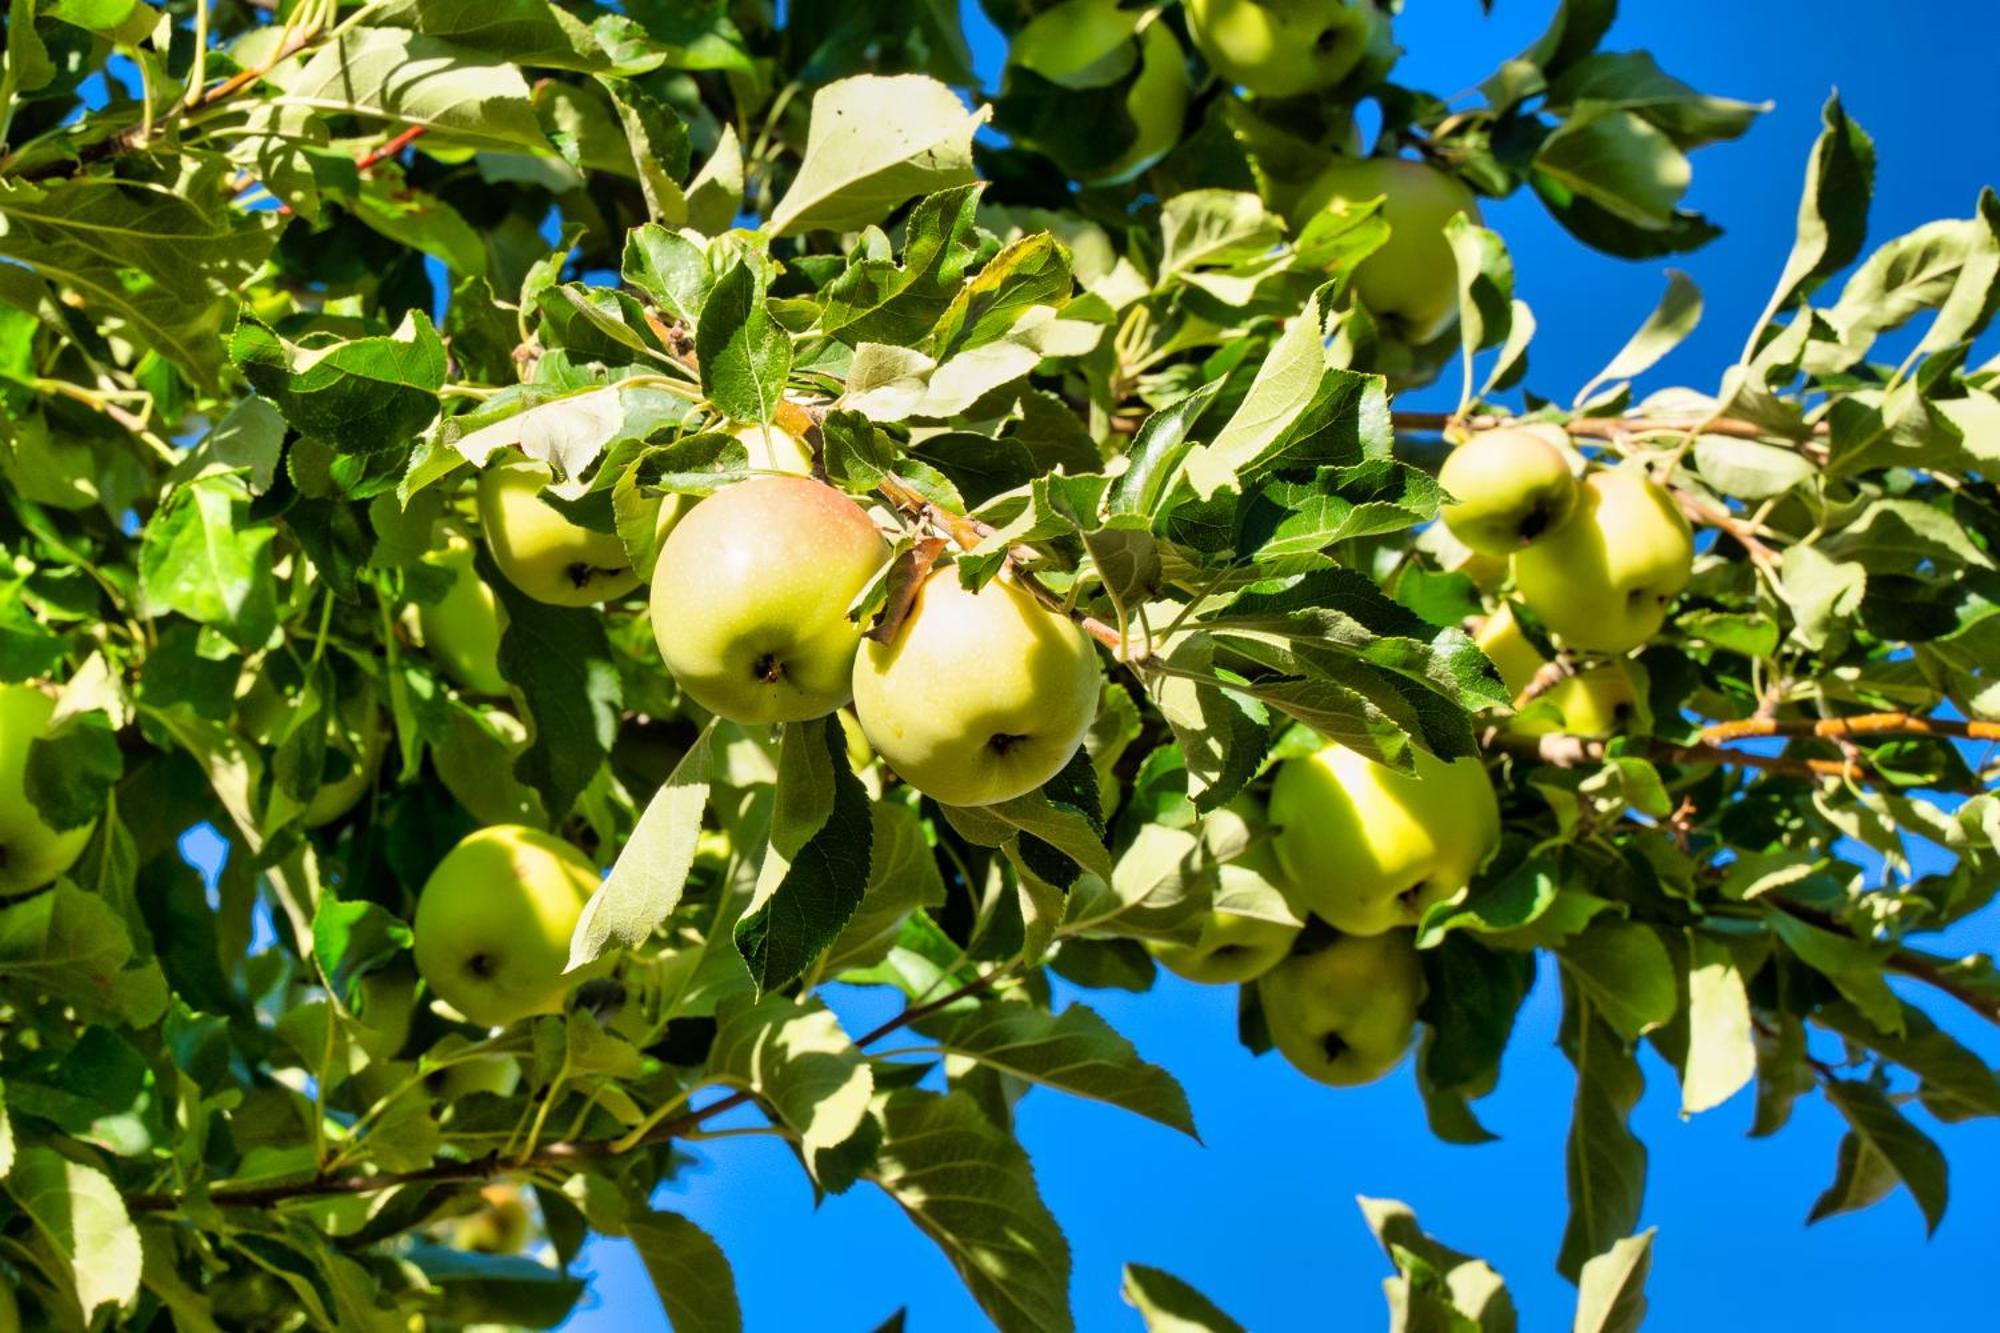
972 697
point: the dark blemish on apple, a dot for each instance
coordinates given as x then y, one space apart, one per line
480 965
1334 1045
1229 950
1411 896
580 574
768 668
1536 523
1000 742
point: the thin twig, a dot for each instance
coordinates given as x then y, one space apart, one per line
1861 724
1912 963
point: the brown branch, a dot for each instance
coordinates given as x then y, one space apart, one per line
1566 751
550 1155
1719 518
1861 724
389 149
1602 428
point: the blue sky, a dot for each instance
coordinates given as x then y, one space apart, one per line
1262 1216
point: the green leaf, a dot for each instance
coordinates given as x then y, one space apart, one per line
559 660
1626 973
413 79
73 945
72 768
874 142
1473 996
1170 1305
876 299
1957 1083
821 838
970 1188
526 32
1882 1149
1833 210
1618 161
1721 1056
362 395
1436 1287
78 1214
162 254
646 881
1611 1290
690 1273
351 939
1606 1165
1855 968
1666 328
799 1062
745 355
903 877
1074 1051
1748 469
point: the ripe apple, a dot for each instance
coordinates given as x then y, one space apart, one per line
1594 703
462 629
31 853
1233 946
354 740
1086 44
1281 48
750 598
1413 279
774 450
1604 579
494 920
982 696
1367 848
1345 1014
1508 488
541 552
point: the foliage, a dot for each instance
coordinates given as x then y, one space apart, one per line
283 281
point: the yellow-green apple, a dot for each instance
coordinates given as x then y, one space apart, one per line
750 598
539 550
1508 488
1233 946
462 629
31 852
1344 1014
1367 848
773 450
355 739
980 696
1594 703
501 1225
1603 580
1412 279
1088 44
494 920
1281 48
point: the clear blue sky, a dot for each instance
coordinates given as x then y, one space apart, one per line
1262 1218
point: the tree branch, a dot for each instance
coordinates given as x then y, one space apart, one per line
1861 724
1565 751
549 1155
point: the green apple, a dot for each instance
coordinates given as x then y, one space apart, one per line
1345 1014
1596 703
497 1074
1367 848
1281 48
501 1225
31 853
354 740
774 450
1603 580
1233 946
494 920
750 598
1089 44
1413 279
981 696
1508 488
539 550
462 629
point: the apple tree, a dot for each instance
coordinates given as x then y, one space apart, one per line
623 516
